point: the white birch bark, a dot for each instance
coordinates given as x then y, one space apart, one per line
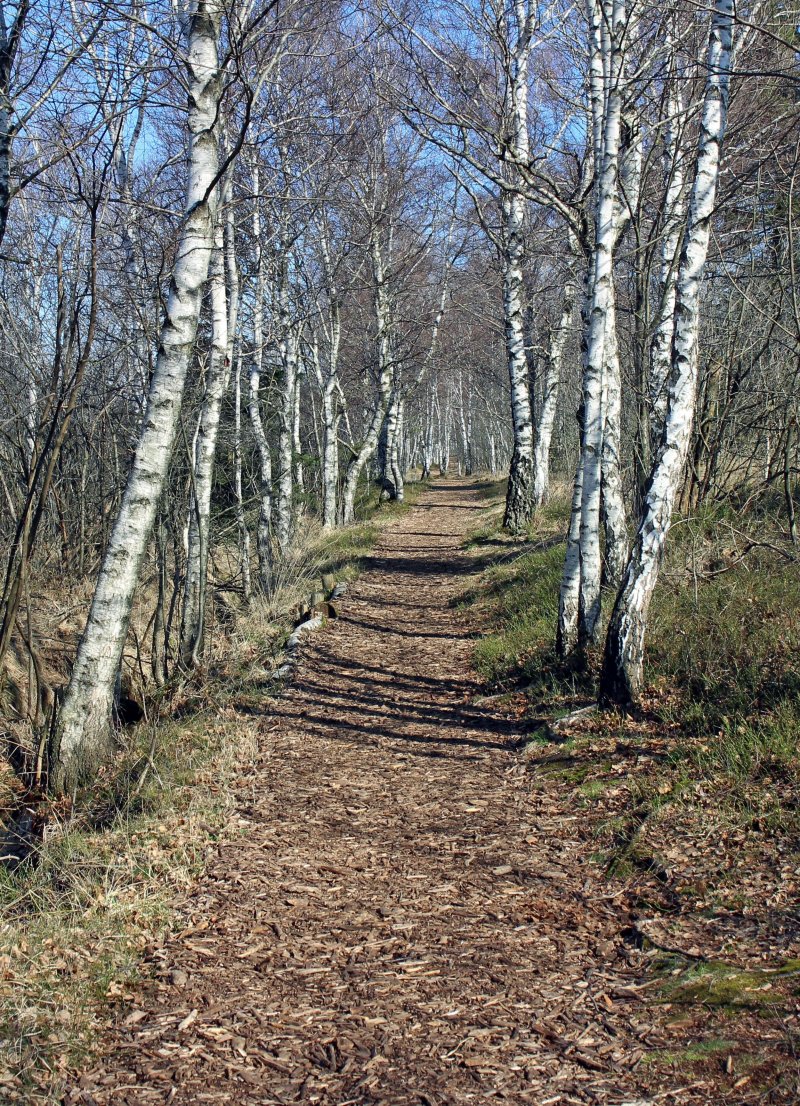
205 447
385 374
615 522
465 424
287 345
264 531
552 385
32 387
331 391
83 734
331 413
661 344
606 25
231 273
446 432
569 595
330 453
224 315
519 498
388 446
428 434
297 442
621 676
570 590
241 518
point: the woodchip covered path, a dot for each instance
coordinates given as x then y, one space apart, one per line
408 918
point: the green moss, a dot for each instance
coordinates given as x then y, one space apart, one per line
564 770
713 983
593 789
692 1054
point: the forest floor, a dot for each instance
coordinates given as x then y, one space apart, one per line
408 913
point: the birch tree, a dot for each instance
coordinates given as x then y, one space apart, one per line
551 385
674 180
329 383
606 27
264 532
224 311
490 142
385 367
520 497
83 735
623 657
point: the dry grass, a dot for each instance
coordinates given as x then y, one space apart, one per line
73 927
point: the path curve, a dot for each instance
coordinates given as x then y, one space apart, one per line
407 919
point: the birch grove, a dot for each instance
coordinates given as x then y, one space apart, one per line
278 262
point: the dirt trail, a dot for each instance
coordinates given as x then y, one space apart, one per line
406 919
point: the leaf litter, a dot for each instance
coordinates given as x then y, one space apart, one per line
408 917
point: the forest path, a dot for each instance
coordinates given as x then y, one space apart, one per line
408 917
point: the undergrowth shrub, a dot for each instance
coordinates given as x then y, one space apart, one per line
723 644
518 597
523 594
765 747
730 642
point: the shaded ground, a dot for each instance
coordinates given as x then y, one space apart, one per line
405 918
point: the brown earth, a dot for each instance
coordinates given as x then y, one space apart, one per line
405 919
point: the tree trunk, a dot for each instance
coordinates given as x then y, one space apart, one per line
661 344
391 484
284 506
241 519
385 373
205 447
159 644
569 596
615 522
330 452
552 384
397 454
10 40
428 434
83 735
605 47
788 490
297 441
519 497
264 533
331 390
621 676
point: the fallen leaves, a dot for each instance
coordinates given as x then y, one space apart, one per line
406 920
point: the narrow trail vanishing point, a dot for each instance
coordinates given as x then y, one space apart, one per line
408 918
